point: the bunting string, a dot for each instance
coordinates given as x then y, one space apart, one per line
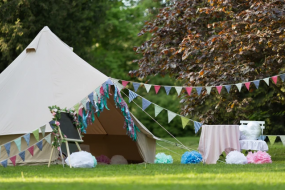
171 115
188 89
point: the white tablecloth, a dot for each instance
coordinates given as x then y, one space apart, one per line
216 139
253 145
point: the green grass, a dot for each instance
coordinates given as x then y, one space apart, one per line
152 176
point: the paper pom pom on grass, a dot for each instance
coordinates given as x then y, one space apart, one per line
236 157
192 157
259 158
162 158
103 159
118 159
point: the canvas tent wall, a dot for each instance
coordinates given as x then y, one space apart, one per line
49 73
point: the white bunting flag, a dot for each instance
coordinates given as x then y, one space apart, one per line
178 89
157 109
171 115
209 89
239 85
147 87
267 81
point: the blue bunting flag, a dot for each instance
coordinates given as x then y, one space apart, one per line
145 103
167 89
27 138
136 86
132 95
197 126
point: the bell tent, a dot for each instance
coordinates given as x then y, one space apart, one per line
49 73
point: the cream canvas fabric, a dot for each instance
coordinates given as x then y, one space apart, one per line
49 73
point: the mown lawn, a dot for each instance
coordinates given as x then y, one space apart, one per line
152 176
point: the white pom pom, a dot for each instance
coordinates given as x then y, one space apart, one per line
236 157
81 159
118 159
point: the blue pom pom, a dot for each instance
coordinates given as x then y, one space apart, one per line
192 157
162 158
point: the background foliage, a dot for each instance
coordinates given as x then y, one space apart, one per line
180 43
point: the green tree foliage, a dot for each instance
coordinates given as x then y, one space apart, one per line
218 42
73 21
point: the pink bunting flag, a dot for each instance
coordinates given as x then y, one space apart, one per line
31 150
156 88
124 83
189 90
13 160
80 112
219 88
274 78
247 84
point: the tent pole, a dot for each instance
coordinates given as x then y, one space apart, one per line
50 156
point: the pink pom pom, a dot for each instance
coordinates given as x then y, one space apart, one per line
262 158
250 157
103 159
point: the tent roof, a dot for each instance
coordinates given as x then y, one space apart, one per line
46 73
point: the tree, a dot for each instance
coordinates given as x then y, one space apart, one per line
219 42
73 21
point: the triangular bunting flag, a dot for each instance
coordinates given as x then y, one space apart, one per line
97 90
27 138
7 147
95 97
262 137
219 88
31 150
43 130
76 107
272 139
145 103
83 102
282 76
189 90
171 115
267 81
91 98
124 83
40 145
36 134
147 87
115 80
209 89
197 126
184 121
80 112
178 89
109 81
167 89
23 155
48 138
256 83
136 86
274 78
4 163
239 85
198 89
247 84
18 143
228 87
119 86
156 88
132 95
282 137
13 160
157 109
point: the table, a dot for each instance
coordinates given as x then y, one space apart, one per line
216 139
253 145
